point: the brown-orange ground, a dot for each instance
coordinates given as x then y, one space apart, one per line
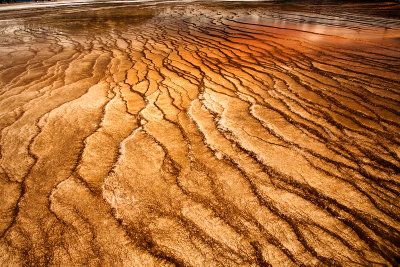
200 134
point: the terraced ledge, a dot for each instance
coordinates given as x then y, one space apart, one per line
200 134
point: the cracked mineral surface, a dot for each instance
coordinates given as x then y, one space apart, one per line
207 133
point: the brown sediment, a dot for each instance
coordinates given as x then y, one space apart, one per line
200 135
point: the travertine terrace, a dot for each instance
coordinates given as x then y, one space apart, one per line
200 134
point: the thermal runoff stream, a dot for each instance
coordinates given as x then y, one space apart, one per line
189 133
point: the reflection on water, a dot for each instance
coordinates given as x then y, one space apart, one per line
369 28
91 16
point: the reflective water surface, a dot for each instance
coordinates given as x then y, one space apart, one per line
191 133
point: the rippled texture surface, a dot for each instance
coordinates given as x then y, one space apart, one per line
200 134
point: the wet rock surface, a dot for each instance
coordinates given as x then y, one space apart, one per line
200 134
